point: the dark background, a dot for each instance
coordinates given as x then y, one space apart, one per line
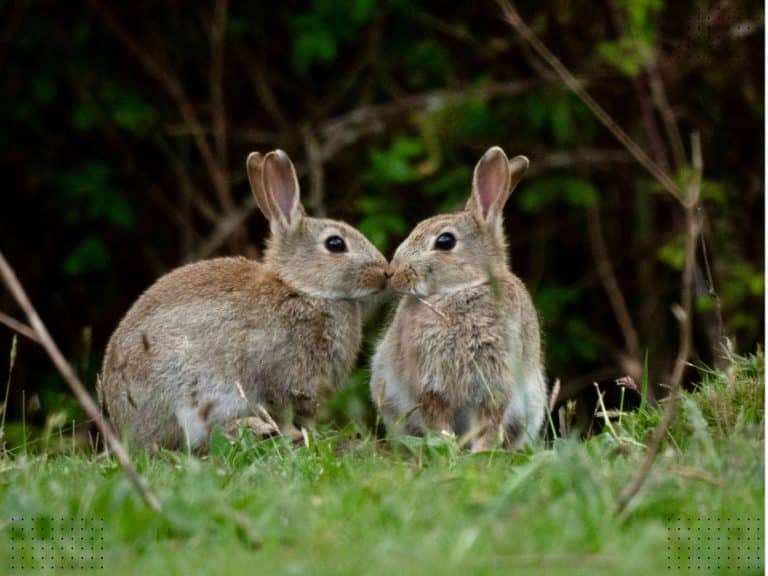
124 130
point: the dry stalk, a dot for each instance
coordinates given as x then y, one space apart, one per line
82 396
683 314
19 327
611 285
514 19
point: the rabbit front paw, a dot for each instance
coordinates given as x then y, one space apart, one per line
436 412
255 424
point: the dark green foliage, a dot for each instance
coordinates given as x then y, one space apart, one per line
106 186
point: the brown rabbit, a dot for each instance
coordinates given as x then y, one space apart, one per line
219 341
463 351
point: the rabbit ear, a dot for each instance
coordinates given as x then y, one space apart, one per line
495 178
254 166
281 190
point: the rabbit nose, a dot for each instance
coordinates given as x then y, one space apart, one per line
388 273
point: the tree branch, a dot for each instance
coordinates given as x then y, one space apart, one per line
218 108
516 22
611 285
316 172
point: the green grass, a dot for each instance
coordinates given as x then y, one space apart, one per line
353 505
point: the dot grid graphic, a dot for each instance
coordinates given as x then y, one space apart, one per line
56 543
727 544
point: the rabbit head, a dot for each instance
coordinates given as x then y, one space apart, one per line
451 252
316 256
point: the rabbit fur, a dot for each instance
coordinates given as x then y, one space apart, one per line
220 341
462 353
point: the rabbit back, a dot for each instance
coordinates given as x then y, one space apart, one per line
210 340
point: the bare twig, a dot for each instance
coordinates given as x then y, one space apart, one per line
696 474
316 173
642 92
228 225
582 157
611 285
604 411
261 87
683 314
347 128
554 396
516 22
85 400
19 327
224 229
659 94
722 340
218 108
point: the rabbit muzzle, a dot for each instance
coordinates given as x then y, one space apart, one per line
404 278
374 277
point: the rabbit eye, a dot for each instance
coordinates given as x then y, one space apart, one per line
335 244
446 241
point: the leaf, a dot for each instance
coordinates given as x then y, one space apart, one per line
451 186
428 64
317 46
544 192
552 300
319 31
127 109
88 192
579 193
44 89
89 255
394 164
85 117
561 120
673 253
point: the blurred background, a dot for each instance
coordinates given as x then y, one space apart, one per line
125 128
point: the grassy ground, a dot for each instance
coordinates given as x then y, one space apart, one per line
352 505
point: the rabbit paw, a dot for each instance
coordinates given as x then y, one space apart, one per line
255 424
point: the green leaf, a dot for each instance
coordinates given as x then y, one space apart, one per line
317 46
44 89
545 192
552 300
319 31
127 109
89 255
89 195
85 117
428 64
395 164
561 120
579 193
635 49
673 253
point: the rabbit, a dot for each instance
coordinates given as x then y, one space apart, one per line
462 354
231 341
